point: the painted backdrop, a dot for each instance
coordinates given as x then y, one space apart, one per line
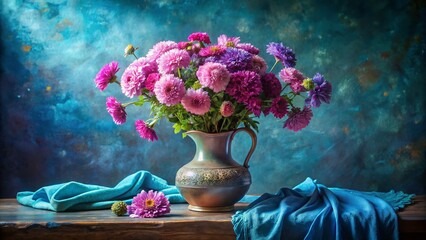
55 128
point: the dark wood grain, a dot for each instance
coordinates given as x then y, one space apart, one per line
20 222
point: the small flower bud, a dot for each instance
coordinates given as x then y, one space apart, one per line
227 109
308 84
129 50
119 208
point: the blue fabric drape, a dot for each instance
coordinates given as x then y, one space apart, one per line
74 196
313 211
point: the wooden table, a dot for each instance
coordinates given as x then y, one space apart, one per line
20 222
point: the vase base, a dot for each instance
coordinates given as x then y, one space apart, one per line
211 209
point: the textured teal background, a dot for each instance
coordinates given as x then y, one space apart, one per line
54 126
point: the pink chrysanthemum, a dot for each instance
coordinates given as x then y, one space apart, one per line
298 119
133 78
148 205
169 90
116 110
170 61
258 64
159 49
244 85
106 75
271 86
293 77
223 40
196 101
145 131
279 107
151 80
226 109
213 50
248 47
214 76
199 36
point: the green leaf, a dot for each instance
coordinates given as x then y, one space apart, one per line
177 128
140 102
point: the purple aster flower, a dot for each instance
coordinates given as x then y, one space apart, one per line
255 106
282 53
196 101
169 90
228 41
279 107
170 61
298 119
148 205
106 75
258 65
321 92
235 59
159 49
318 79
214 76
226 109
116 110
244 85
213 50
271 86
199 36
248 47
145 131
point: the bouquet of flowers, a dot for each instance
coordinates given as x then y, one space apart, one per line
213 88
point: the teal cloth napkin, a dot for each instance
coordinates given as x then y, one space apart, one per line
75 196
314 211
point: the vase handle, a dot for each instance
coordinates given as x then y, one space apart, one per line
253 143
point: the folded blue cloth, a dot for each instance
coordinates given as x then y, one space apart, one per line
313 211
74 196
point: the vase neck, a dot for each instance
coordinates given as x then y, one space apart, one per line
213 149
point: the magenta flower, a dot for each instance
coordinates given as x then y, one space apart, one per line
106 75
170 61
271 85
279 107
169 90
244 85
196 101
298 119
226 109
255 106
116 110
132 82
213 50
258 64
199 36
159 49
184 45
223 40
148 205
248 47
145 131
282 54
214 76
151 80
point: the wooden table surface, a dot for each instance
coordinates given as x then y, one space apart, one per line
20 222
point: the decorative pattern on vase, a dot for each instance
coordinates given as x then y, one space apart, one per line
213 177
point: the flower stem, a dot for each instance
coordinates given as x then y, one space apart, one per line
276 61
179 75
135 55
127 104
